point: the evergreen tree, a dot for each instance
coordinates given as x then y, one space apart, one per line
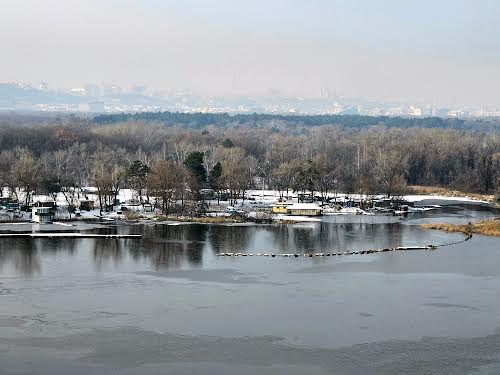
214 179
198 174
137 173
194 165
227 143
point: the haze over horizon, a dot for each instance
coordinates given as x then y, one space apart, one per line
442 53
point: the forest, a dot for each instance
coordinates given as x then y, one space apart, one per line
177 160
200 120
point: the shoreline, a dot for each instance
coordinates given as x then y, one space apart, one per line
417 199
485 227
447 193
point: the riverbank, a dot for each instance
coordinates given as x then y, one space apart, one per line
486 227
436 192
256 209
222 220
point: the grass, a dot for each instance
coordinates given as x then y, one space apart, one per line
486 227
131 216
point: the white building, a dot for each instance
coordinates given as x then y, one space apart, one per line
42 214
415 111
92 90
78 91
304 209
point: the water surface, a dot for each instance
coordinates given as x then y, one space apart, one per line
168 304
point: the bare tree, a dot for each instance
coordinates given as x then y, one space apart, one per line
7 159
388 170
166 181
25 172
108 175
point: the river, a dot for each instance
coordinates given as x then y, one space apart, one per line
166 304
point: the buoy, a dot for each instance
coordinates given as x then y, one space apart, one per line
312 253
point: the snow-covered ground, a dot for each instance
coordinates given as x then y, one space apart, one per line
419 198
271 196
258 197
255 201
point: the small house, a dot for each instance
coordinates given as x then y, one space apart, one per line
133 207
281 207
305 197
87 204
304 209
43 212
12 206
5 201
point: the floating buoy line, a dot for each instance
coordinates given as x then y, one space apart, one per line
342 253
317 254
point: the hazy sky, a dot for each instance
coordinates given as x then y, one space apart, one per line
441 51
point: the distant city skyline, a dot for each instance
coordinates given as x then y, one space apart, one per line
444 53
106 98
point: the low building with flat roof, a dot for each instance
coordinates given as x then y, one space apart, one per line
281 207
304 209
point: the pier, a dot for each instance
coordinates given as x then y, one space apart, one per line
69 235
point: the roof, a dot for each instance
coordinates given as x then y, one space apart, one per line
283 203
304 206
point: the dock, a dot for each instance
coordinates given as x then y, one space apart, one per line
69 235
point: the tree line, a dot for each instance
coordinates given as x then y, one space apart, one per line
176 164
201 120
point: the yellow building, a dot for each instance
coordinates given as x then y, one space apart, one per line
281 207
304 209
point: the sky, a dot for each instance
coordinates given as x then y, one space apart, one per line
444 52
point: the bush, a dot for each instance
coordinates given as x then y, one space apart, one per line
129 215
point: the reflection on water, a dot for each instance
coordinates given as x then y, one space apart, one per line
106 250
172 246
166 246
21 255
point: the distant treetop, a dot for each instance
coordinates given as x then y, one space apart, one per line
202 120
